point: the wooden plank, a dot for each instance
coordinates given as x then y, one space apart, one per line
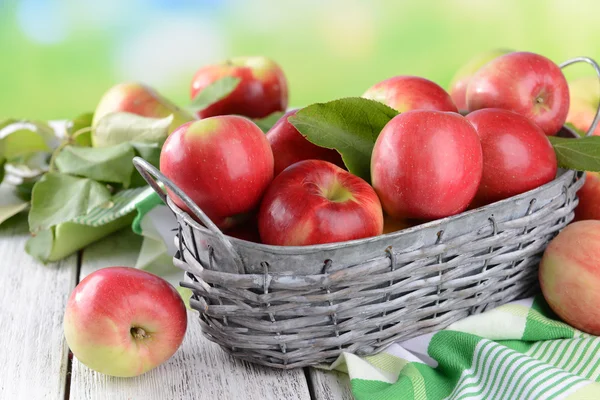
33 352
199 369
329 385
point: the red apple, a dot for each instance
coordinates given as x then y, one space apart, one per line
138 99
458 84
426 164
289 146
405 93
314 202
526 83
224 164
570 275
262 89
517 155
123 321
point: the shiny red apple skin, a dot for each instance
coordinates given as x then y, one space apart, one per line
289 146
262 90
315 202
426 165
112 304
570 275
224 164
526 83
458 84
517 155
405 93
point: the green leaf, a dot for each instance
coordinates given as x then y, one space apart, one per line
117 128
104 164
214 92
151 153
2 163
23 142
81 125
39 246
579 154
59 198
267 122
350 126
10 203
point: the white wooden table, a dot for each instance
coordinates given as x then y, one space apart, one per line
35 362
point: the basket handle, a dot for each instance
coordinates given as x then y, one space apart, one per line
596 67
151 175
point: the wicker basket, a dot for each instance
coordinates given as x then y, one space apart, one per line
288 307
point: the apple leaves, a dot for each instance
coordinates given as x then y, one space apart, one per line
59 198
266 123
214 92
117 128
581 154
350 126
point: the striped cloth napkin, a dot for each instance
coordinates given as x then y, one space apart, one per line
517 351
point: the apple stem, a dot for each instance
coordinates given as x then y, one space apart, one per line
138 333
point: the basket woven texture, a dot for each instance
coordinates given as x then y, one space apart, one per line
290 307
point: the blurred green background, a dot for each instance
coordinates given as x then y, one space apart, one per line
57 57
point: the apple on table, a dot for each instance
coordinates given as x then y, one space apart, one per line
261 91
124 321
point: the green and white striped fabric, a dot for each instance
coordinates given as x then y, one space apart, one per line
516 351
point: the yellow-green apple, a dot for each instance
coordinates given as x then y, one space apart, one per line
123 321
526 83
289 146
405 93
313 202
224 164
458 84
262 88
570 275
426 165
142 100
517 155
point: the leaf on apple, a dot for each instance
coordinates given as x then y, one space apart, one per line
581 154
81 127
59 198
121 127
350 126
104 164
214 92
266 123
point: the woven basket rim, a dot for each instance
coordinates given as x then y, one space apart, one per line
299 250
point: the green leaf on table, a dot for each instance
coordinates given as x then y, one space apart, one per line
2 163
350 126
105 164
10 203
267 122
81 126
59 198
214 92
21 143
579 154
117 128
39 246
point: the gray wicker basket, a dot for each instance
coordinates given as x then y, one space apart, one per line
290 307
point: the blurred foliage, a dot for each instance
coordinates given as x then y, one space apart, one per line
58 57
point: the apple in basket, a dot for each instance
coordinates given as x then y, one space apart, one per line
314 201
426 165
460 81
137 99
584 104
570 275
123 321
527 83
517 155
289 146
262 88
405 93
224 164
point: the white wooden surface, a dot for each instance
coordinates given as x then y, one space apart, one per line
199 369
330 385
33 352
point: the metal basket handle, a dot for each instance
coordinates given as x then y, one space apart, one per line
596 67
151 175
